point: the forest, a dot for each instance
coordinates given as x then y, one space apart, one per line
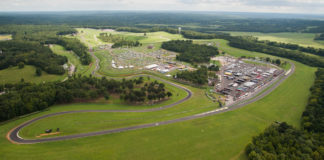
35 39
31 53
282 141
198 21
199 76
23 98
189 52
313 116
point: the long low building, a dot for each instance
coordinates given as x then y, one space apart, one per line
151 66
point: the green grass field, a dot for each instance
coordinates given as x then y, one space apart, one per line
303 39
90 35
14 74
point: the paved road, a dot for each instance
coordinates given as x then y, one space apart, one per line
14 137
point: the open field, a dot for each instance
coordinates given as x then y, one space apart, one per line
90 36
4 37
303 39
14 74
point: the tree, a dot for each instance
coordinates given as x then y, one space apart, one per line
106 95
278 62
190 52
38 72
169 94
21 65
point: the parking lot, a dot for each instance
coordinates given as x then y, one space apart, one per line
239 79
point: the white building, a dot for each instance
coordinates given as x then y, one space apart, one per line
152 66
249 84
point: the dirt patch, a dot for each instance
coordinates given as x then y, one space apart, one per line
48 134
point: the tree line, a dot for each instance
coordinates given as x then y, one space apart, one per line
282 141
243 43
23 98
311 50
189 52
119 41
203 22
319 37
73 44
200 76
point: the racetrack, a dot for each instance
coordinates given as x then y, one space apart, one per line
14 137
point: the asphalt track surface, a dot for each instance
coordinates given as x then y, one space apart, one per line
14 137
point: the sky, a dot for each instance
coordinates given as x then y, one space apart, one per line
276 6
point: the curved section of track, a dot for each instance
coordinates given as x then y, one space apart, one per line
14 137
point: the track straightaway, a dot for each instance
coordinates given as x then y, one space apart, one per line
14 137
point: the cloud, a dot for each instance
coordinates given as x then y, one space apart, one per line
296 6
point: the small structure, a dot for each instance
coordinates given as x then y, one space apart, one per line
228 73
152 66
164 70
48 131
249 84
150 47
65 66
272 70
